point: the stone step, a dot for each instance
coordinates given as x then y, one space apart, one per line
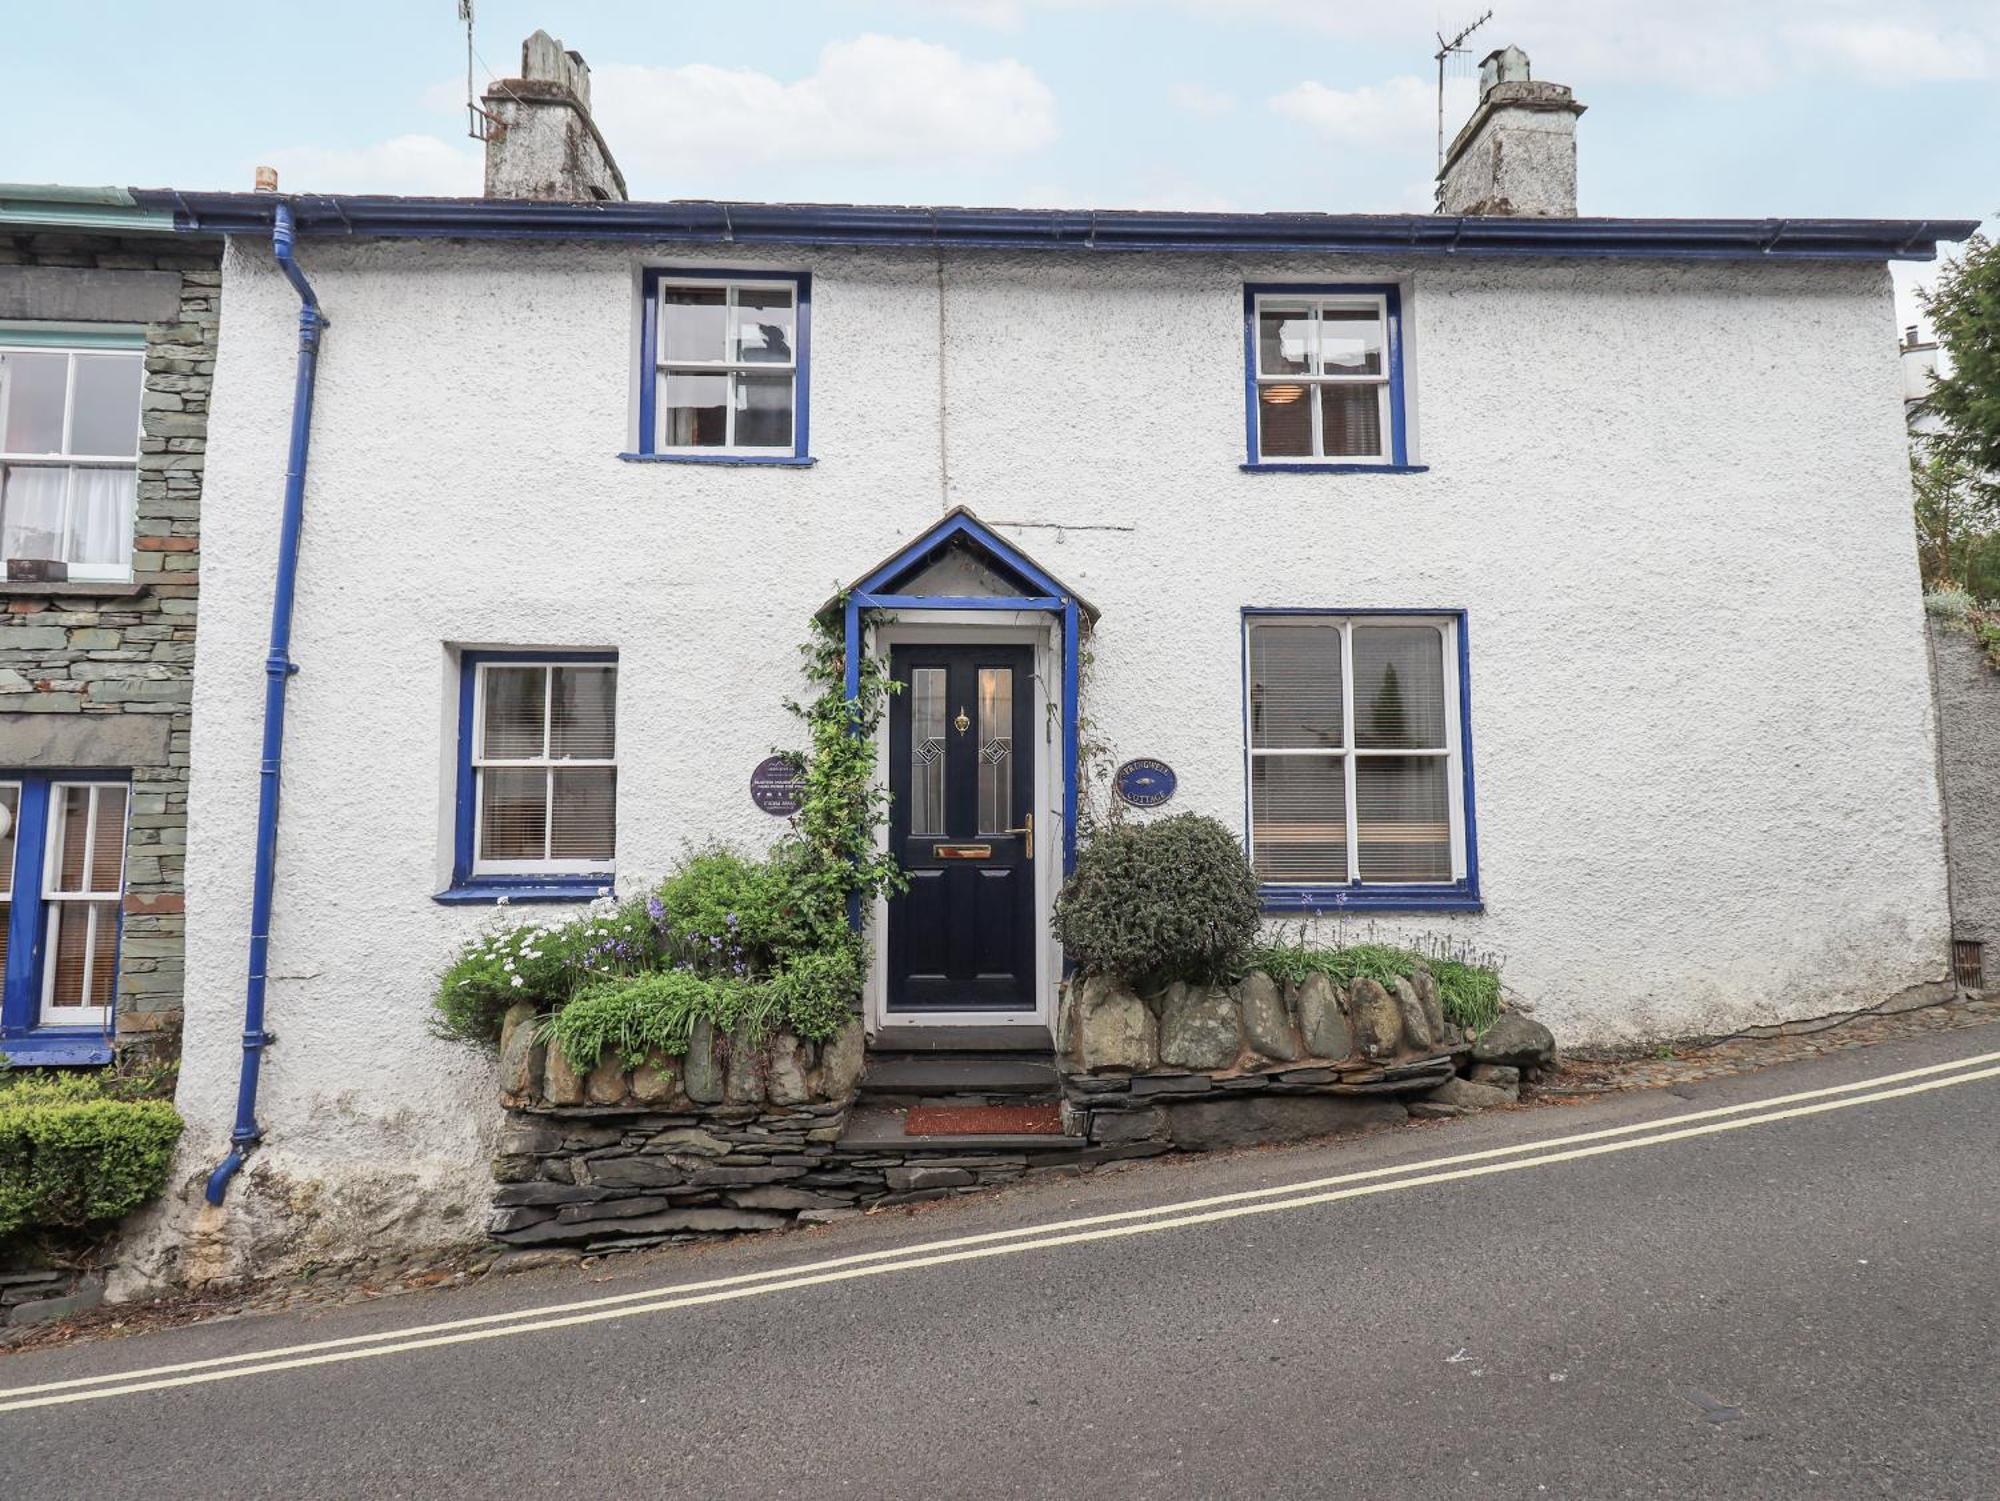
880 1128
1012 1075
906 1039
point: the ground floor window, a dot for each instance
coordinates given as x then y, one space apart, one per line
538 770
62 886
1357 757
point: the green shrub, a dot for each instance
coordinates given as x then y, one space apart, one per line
648 1013
726 914
1169 899
73 1156
1468 993
813 993
542 962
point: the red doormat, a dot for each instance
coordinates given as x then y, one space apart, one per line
983 1120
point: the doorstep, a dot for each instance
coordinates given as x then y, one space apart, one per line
882 1128
918 1039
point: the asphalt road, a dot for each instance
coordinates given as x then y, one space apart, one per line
1694 1304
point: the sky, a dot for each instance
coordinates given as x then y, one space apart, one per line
1829 108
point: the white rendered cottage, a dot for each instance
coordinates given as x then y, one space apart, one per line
1541 581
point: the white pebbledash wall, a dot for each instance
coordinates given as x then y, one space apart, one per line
1673 498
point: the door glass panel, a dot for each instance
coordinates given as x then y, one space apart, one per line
927 693
996 750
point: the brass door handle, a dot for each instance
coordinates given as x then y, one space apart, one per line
1028 844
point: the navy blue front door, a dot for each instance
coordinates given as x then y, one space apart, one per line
961 774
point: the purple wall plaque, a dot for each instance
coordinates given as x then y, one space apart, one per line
776 786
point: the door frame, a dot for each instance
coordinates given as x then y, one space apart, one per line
1042 633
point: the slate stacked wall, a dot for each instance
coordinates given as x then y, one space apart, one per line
100 676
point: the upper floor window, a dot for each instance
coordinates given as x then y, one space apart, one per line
729 366
1325 377
1358 792
69 452
538 769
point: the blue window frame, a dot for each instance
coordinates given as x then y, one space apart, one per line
1323 389
536 799
62 854
725 367
1357 748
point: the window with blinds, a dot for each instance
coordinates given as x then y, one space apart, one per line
544 768
83 885
1323 371
1354 746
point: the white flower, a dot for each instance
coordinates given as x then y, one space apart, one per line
508 966
517 982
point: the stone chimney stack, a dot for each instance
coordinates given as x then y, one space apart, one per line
1517 154
541 141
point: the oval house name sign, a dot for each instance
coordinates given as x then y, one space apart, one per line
1146 783
775 786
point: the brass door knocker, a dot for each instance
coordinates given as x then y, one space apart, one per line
961 724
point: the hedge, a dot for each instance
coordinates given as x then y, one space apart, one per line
72 1159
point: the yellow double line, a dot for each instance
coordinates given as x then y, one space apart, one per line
1041 1237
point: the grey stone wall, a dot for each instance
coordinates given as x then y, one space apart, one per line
1205 1067
1968 707
101 675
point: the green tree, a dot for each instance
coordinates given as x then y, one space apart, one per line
1958 520
1957 468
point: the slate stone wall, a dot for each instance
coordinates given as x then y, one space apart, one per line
101 675
1202 1067
732 1137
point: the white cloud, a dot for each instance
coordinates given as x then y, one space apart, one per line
872 100
417 165
1892 53
1200 99
1401 112
1709 45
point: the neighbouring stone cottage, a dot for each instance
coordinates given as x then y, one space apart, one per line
1275 518
108 328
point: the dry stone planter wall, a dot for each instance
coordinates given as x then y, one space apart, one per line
735 1136
1199 1067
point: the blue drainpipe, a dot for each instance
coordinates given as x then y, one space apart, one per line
278 670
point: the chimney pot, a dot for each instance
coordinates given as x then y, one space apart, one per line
1517 154
541 141
267 179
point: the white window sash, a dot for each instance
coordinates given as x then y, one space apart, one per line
663 367
71 462
1348 753
94 908
545 763
1378 303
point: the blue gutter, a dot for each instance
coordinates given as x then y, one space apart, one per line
737 224
278 670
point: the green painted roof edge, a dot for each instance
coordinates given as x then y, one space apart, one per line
47 205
